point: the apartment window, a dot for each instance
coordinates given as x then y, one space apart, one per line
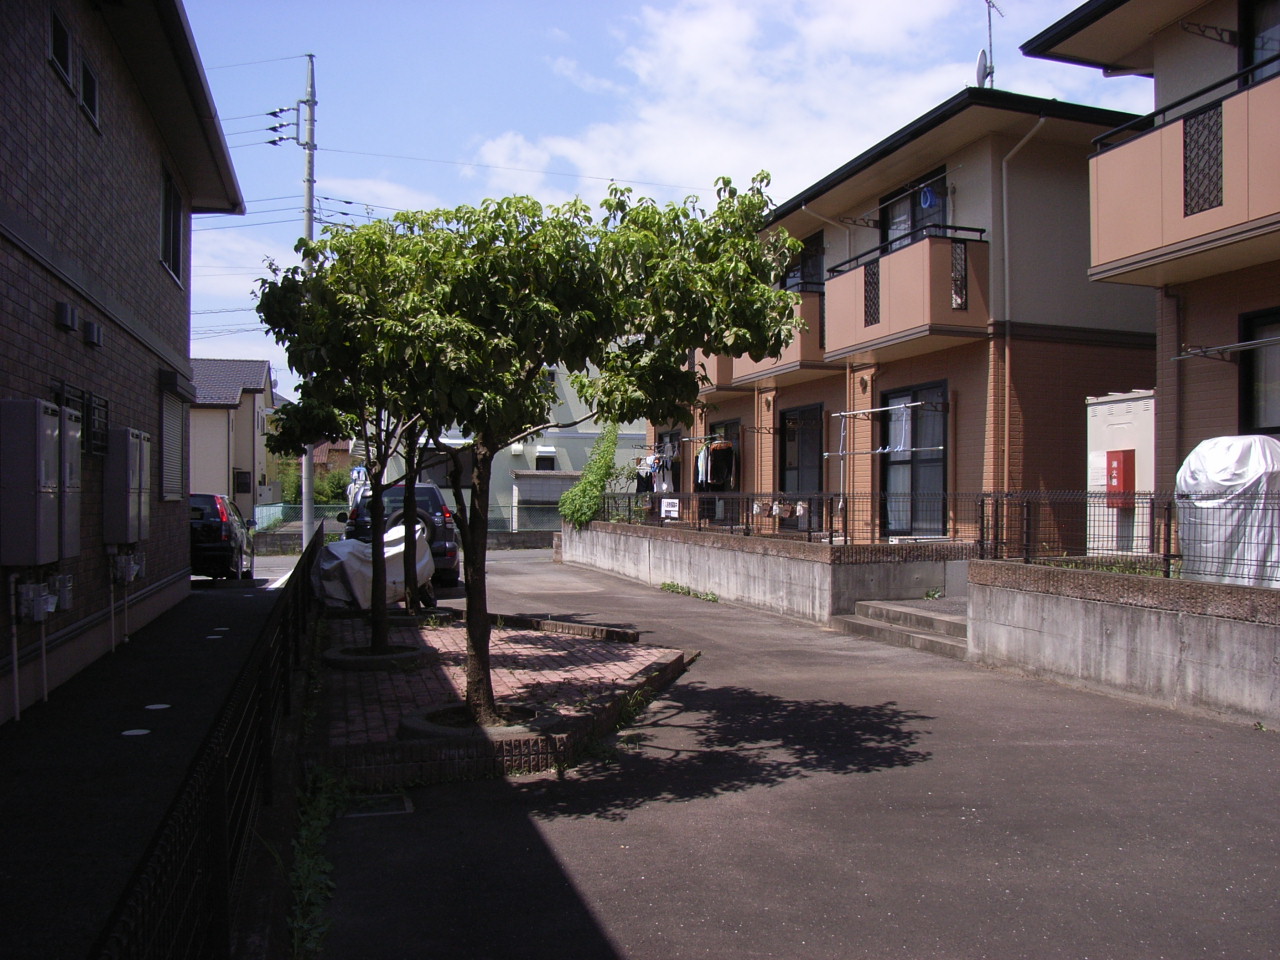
1202 161
545 459
913 477
173 430
800 450
171 235
908 214
807 273
60 47
88 91
1260 375
1260 36
871 294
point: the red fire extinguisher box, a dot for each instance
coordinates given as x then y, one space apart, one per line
1120 478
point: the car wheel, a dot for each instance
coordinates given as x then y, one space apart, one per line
235 565
424 518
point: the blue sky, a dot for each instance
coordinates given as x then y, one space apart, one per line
440 102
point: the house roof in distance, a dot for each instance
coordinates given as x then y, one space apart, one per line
220 383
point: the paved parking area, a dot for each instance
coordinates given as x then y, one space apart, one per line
802 794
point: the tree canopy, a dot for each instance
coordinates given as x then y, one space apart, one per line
446 320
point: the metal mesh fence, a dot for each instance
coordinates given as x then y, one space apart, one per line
1161 534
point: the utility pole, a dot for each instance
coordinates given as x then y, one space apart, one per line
309 228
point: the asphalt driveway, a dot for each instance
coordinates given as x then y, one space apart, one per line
801 794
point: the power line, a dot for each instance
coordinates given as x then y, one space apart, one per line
254 63
239 226
491 166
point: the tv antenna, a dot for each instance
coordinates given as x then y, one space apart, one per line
986 58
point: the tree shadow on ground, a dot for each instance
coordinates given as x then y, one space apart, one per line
700 741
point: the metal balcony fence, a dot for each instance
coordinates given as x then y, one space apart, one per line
1158 534
180 901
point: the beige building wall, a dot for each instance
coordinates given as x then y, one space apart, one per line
212 436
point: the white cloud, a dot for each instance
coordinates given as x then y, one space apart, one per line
798 87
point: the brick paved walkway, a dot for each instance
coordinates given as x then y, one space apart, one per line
558 671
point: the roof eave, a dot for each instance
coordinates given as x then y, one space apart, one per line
964 100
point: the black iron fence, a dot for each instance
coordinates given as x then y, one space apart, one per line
1232 540
180 899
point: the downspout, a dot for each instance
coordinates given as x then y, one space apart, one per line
1008 314
1175 373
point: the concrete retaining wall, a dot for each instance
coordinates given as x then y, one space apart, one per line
1196 646
811 581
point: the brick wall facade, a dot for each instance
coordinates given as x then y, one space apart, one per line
81 223
1199 398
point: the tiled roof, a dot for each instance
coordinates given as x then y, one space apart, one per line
219 383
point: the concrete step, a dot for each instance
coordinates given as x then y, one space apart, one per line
942 634
915 617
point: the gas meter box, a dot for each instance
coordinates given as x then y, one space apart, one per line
126 487
29 482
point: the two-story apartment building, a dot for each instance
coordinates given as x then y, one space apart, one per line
229 430
951 333
1187 201
109 141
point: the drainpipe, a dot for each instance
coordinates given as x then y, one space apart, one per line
13 644
1175 371
1008 314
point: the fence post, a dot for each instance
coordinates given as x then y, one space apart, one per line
982 528
1168 539
1026 530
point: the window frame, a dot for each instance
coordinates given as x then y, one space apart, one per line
61 61
1250 326
89 90
172 234
919 217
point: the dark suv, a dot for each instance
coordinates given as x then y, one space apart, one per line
221 538
432 511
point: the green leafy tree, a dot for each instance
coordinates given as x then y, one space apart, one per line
477 302
581 502
351 327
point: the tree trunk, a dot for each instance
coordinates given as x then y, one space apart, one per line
378 641
474 529
412 598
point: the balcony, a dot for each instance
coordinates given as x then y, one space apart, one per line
719 371
1197 196
804 359
930 295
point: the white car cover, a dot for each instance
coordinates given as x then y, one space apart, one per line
1228 507
343 574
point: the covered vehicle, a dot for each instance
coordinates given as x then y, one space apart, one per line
1228 496
343 572
433 513
221 538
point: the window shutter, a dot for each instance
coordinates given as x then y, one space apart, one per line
173 485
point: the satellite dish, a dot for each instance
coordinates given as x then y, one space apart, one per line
984 70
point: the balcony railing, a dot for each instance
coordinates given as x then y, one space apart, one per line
944 230
1219 89
1191 190
904 302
